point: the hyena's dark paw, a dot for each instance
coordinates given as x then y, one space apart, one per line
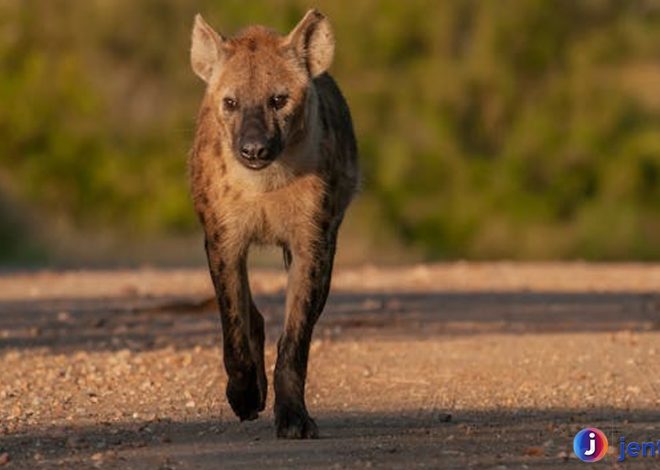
295 424
245 396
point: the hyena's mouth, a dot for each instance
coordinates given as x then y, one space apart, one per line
256 164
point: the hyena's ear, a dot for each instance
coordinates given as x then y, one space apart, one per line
313 42
206 48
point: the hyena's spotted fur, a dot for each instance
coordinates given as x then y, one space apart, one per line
274 162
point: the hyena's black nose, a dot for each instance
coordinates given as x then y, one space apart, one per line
254 150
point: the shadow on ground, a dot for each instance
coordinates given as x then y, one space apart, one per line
411 438
141 323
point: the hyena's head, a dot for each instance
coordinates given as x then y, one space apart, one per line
259 84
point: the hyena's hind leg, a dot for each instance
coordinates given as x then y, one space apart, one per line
307 291
246 388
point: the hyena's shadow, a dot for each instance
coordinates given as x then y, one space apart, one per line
146 323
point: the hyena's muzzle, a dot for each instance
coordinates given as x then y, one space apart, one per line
257 146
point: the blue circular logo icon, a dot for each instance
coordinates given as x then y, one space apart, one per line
590 445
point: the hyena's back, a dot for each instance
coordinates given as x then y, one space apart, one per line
338 142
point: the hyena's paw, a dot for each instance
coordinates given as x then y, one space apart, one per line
295 424
245 396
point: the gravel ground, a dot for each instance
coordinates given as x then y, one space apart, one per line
437 366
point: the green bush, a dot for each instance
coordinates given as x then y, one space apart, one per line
508 129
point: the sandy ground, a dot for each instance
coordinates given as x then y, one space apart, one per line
444 366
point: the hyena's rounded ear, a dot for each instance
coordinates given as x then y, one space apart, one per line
205 49
313 42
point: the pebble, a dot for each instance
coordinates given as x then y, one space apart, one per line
64 317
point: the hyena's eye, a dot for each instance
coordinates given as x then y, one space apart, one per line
230 104
277 102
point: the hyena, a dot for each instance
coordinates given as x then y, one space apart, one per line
274 162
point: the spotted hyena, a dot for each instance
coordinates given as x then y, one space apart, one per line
274 162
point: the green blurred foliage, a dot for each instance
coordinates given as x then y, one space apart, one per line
487 129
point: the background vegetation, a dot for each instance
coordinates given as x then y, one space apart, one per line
488 129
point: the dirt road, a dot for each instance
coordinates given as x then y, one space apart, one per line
445 366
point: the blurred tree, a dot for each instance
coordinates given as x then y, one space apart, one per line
487 129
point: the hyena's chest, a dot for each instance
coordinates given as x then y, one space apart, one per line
266 217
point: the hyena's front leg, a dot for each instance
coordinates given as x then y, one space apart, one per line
309 282
242 332
257 340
